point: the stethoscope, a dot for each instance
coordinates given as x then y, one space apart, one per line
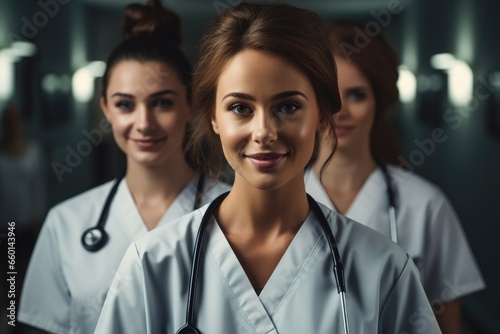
94 238
391 197
338 269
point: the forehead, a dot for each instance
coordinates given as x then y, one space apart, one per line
349 74
261 73
134 77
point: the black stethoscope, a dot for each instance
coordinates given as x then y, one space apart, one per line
391 197
338 269
94 238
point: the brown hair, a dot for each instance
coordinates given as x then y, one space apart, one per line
151 19
379 64
151 33
283 30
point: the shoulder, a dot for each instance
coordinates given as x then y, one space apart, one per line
356 240
366 253
216 186
178 236
91 196
212 189
80 206
310 178
412 186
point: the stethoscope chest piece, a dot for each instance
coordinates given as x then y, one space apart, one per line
94 238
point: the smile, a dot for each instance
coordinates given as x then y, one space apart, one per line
344 129
266 160
148 143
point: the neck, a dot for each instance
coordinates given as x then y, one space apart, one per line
157 184
263 212
347 171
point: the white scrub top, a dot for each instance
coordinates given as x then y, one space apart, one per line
66 285
384 294
428 229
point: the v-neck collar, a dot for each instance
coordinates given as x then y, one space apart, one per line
294 264
367 197
371 198
131 218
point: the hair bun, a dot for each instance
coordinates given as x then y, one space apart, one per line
151 19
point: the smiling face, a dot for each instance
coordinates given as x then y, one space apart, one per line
147 107
355 120
266 115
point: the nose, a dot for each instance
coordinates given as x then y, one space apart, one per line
341 114
145 119
265 130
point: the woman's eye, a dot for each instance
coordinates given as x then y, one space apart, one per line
357 95
289 108
163 103
240 109
124 105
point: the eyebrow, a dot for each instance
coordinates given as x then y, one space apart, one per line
160 93
358 87
274 97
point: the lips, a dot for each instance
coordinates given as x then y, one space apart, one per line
266 160
149 142
343 129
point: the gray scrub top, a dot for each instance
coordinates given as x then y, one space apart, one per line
384 294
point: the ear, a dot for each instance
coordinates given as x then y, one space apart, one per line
104 107
322 126
215 126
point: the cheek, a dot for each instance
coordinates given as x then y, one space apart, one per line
229 138
370 116
120 124
175 122
306 129
233 139
306 136
228 130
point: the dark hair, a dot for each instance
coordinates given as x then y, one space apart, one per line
378 62
151 33
283 30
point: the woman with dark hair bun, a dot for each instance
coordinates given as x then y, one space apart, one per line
146 98
263 258
363 182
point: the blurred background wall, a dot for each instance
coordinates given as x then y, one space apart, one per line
54 80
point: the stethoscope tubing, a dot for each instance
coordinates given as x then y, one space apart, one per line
95 238
391 197
97 232
338 269
189 327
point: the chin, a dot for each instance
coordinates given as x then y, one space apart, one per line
267 182
148 161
